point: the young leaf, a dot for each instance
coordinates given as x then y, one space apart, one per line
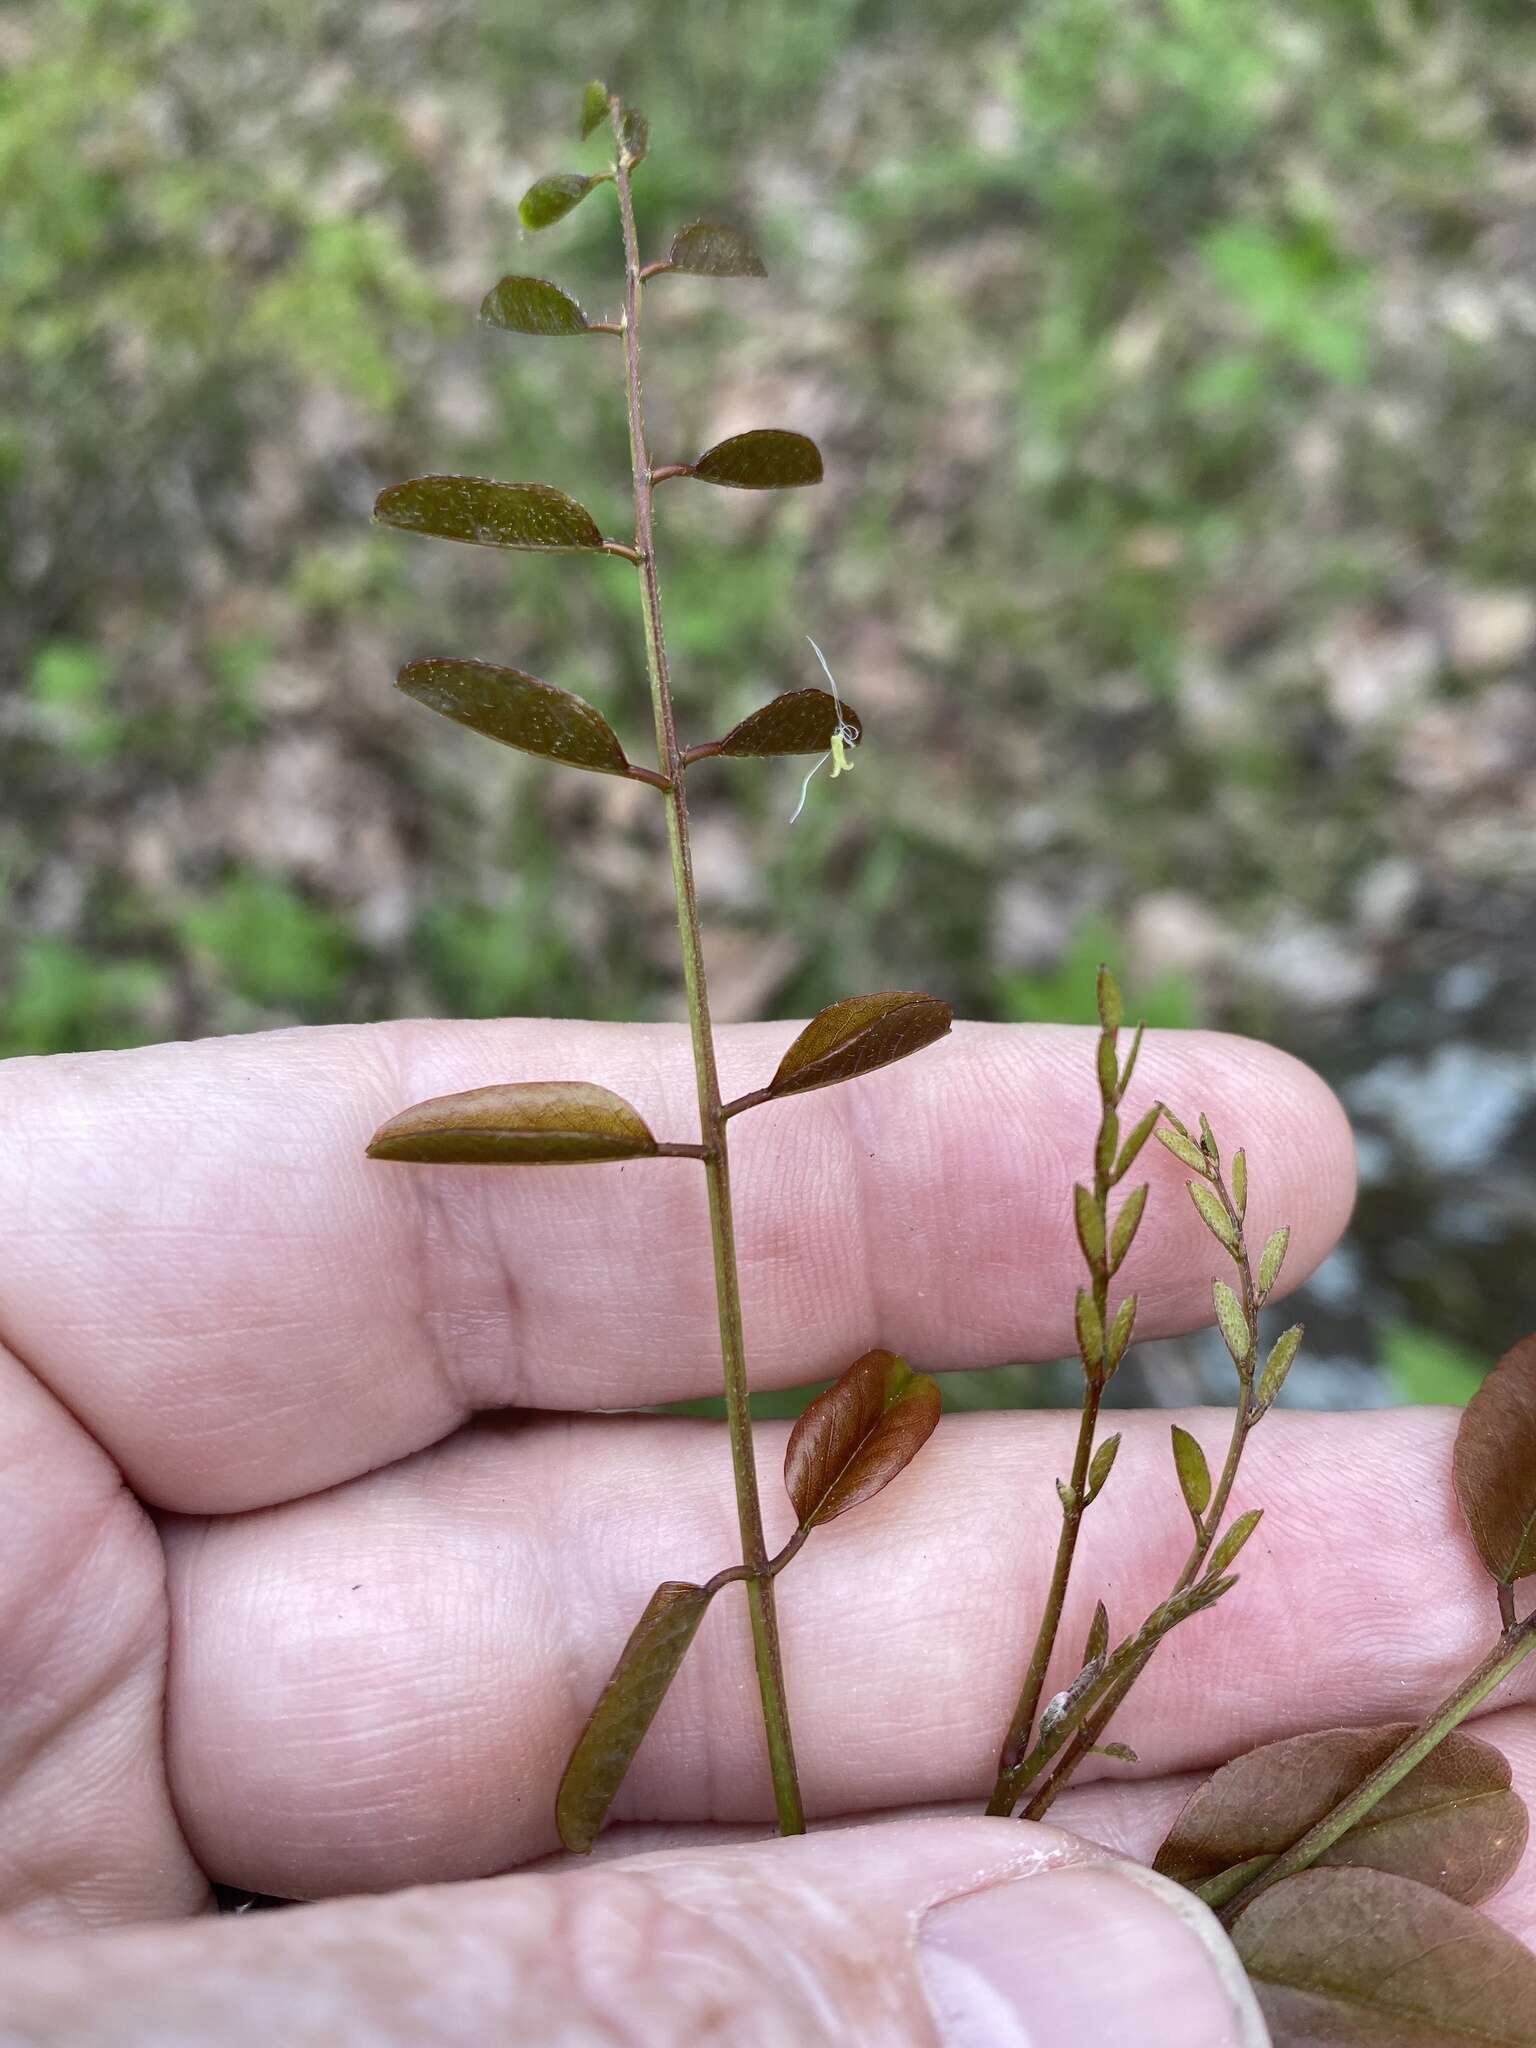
1240 1182
1208 1143
1110 1001
854 1439
518 710
1090 1331
1140 1132
706 249
1119 1337
552 198
1215 1217
490 515
799 722
1273 1257
1098 1635
1126 1224
1103 1464
594 108
1231 1321
1194 1473
858 1035
763 459
1109 1069
1131 1058
1183 1148
1361 1959
1278 1364
1090 1224
634 135
532 305
1120 1751
1232 1542
625 1709
1453 1822
1494 1465
535 1123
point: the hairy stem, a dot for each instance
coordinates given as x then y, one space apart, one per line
1099 1709
717 1171
1512 1648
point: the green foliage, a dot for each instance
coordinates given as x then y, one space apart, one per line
1429 1370
273 946
65 1000
1065 995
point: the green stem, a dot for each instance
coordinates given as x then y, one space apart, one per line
717 1171
1510 1650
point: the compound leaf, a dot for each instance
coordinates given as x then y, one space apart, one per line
706 249
532 305
1495 1465
799 722
518 710
517 1123
858 1035
1453 1822
854 1439
489 514
626 1707
763 459
552 198
1363 1959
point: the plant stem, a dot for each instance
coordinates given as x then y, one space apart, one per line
1099 1709
717 1172
1512 1648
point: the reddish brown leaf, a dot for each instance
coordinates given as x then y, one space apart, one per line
520 1123
1495 1465
709 250
625 1709
489 514
763 459
858 1035
1361 1959
854 1439
518 710
1452 1823
799 722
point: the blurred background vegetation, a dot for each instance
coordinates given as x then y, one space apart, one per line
1175 366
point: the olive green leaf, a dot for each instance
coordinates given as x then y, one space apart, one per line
1194 1473
488 514
1214 1216
706 249
1103 1464
1278 1364
858 1035
1453 1822
1119 1335
1231 1321
1494 1465
1240 1182
1364 1959
1140 1132
1090 1330
534 1123
763 459
518 710
854 1439
1232 1542
1126 1225
1183 1148
1111 1003
532 305
552 198
799 722
1272 1257
1098 1635
626 1707
1089 1219
594 108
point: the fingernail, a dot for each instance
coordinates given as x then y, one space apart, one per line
1085 1956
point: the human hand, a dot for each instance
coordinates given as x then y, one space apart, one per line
317 1552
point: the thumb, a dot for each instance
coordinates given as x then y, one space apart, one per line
933 1933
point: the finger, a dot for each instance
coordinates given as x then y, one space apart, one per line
931 1934
208 1271
382 1685
1129 1819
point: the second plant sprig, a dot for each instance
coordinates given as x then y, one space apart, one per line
876 1417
